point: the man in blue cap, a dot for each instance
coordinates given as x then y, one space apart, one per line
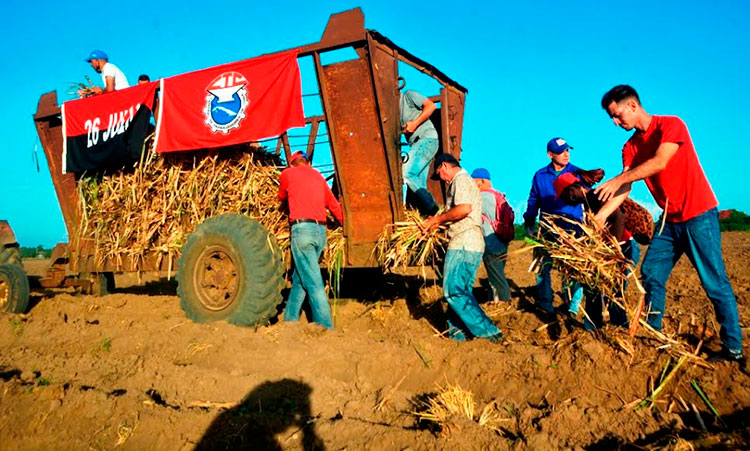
112 77
495 249
542 201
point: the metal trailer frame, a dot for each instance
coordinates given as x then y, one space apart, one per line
361 109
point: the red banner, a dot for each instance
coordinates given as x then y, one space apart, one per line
230 104
106 131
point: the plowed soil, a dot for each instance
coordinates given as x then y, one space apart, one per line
129 370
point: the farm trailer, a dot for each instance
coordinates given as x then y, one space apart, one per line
360 103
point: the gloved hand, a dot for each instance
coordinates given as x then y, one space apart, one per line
530 228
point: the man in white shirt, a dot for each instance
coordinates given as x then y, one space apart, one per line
112 76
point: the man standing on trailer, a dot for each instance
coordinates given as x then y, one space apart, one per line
420 132
464 254
661 152
308 196
112 76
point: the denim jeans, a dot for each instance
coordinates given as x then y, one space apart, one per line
494 264
571 290
700 239
595 303
417 165
465 317
307 242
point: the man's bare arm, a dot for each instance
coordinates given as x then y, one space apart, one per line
456 213
110 84
652 166
613 204
428 107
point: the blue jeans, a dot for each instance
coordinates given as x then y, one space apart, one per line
494 264
545 296
594 302
700 239
307 242
417 165
465 316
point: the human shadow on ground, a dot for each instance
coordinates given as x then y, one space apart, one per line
271 408
527 303
736 434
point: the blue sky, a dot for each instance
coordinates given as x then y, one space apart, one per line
534 70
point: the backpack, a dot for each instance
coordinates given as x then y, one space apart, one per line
503 225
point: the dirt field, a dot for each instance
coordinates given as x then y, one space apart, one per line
129 370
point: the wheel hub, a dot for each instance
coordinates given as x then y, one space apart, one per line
216 278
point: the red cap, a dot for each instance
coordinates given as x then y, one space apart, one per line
296 155
564 181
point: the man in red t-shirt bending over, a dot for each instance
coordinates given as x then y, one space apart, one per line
308 196
661 152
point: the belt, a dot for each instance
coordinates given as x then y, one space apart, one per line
303 221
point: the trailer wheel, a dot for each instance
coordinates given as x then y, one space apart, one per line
14 289
11 255
231 269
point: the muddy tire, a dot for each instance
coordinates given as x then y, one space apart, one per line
14 289
11 255
231 269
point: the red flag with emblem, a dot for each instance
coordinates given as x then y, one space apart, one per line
230 104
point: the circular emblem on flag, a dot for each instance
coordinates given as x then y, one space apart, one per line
226 102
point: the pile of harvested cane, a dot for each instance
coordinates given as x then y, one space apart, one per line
149 211
452 404
406 244
592 257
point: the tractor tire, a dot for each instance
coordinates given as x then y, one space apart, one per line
14 289
231 269
11 255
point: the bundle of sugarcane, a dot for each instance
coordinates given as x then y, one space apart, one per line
406 243
149 212
592 257
81 90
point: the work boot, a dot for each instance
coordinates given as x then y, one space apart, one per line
425 202
726 355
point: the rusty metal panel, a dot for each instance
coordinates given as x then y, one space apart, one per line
452 115
449 120
359 155
49 128
384 67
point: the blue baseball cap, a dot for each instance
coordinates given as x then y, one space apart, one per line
97 55
481 173
558 146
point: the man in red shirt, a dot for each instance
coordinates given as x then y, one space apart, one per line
661 152
308 195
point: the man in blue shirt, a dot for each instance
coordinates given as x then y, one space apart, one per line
542 200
